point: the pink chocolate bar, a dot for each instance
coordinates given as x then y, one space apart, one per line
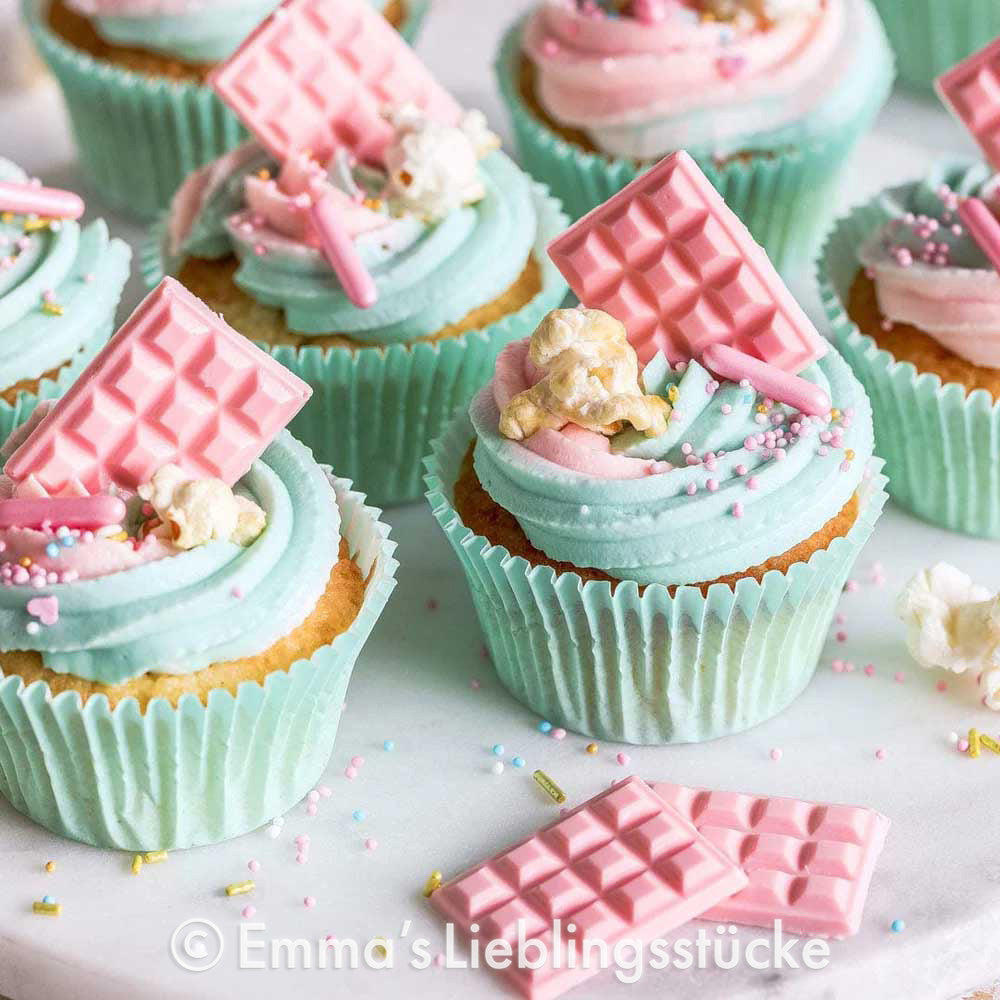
972 91
668 258
983 227
175 384
810 865
318 74
624 864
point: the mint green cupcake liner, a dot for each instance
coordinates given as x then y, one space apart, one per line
139 136
375 410
931 36
940 443
416 12
785 198
647 667
172 778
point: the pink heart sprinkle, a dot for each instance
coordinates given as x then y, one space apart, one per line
45 609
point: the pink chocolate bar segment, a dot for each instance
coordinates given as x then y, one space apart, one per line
972 91
318 74
623 865
175 384
809 864
671 261
983 227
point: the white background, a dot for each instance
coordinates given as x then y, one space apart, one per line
433 802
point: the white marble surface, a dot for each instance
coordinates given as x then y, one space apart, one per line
433 803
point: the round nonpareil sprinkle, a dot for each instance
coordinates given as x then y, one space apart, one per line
497 767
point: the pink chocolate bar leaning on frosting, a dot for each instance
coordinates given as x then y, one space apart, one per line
972 91
668 258
175 384
624 865
318 74
810 864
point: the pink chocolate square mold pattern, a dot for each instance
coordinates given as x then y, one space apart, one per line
175 384
317 75
624 864
972 91
668 258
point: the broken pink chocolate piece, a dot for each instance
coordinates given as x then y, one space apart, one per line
341 253
175 384
972 91
317 76
983 227
623 865
668 258
809 864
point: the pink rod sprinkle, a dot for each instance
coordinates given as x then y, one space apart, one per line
73 512
51 203
983 227
340 251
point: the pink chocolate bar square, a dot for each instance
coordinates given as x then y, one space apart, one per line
624 864
810 865
175 384
972 91
318 74
670 260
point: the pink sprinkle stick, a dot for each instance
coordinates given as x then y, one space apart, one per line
50 203
340 251
625 864
810 864
983 226
972 91
175 384
72 512
805 396
668 258
318 75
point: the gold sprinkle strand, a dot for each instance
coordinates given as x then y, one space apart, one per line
849 454
6 217
241 888
35 225
989 743
47 909
52 309
973 742
673 394
433 883
137 864
154 857
835 414
550 788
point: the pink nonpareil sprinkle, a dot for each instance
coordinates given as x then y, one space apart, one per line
870 670
371 844
776 753
623 759
253 865
357 762
962 746
351 773
880 754
325 791
899 677
841 636
312 809
852 586
248 911
309 902
558 734
737 509
838 666
941 686
313 796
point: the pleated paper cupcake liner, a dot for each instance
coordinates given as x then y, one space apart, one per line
783 198
172 778
940 443
647 667
931 36
375 410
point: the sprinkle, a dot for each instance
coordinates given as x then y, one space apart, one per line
50 866
254 865
248 911
899 677
953 737
776 753
737 509
962 746
241 888
870 670
350 773
154 857
313 796
498 749
52 309
433 883
591 748
32 628
518 762
897 926
941 686
474 684
623 759
497 767
371 844
545 727
973 742
550 788
325 791
274 831
558 734
47 909
52 550
880 754
309 902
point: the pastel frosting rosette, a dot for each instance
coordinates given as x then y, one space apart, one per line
769 97
183 592
60 283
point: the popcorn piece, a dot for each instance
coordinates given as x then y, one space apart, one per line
197 511
434 167
953 624
591 379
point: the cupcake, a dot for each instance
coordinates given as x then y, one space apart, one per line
185 592
928 36
655 550
133 74
60 282
395 316
769 96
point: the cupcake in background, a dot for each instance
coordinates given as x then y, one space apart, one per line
769 96
910 284
387 267
20 67
185 592
928 36
658 499
133 74
60 283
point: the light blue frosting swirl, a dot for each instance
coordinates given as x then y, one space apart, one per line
427 276
182 613
651 530
84 269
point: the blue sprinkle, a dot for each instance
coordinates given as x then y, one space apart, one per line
389 745
48 899
897 925
67 541
52 550
358 814
498 749
518 762
545 727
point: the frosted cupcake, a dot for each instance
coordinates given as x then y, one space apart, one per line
185 592
133 74
60 282
655 551
396 317
769 96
